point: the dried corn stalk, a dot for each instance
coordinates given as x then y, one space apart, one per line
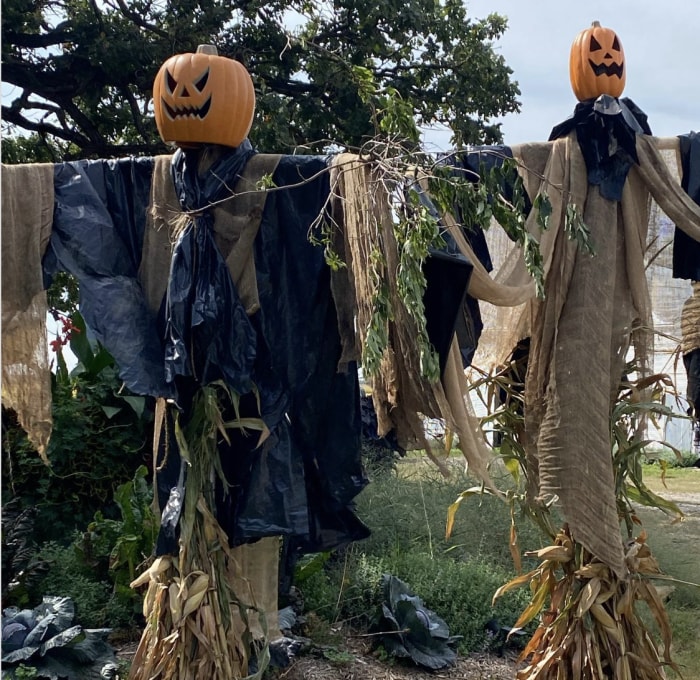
591 629
196 625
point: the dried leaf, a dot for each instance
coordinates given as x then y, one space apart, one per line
514 549
517 582
588 596
534 608
452 510
553 553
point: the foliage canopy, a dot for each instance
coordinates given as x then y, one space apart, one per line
83 71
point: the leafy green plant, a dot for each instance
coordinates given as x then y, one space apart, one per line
123 544
95 570
23 672
90 591
408 629
638 402
101 434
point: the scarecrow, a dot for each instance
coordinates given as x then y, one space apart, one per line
596 306
223 311
197 273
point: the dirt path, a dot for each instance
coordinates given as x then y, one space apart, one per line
362 664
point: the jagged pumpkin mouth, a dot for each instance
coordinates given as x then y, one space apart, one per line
174 112
604 70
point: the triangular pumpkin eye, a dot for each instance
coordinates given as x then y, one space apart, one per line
616 44
202 82
595 45
170 81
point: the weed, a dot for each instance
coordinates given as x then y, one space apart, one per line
337 656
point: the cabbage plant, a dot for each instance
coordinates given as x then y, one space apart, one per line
46 640
408 629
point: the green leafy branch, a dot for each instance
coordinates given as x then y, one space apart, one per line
417 231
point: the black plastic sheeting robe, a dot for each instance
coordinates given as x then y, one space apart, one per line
303 481
686 251
686 255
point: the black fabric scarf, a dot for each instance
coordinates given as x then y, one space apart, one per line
606 130
208 335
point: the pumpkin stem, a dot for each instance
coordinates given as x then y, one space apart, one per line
595 23
207 49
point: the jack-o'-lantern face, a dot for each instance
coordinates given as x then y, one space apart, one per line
201 98
597 63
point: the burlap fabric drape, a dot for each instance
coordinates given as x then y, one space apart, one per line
400 394
27 215
594 308
690 321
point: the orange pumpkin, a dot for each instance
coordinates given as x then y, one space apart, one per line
202 98
597 63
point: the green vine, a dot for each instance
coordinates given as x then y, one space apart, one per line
377 335
397 164
576 229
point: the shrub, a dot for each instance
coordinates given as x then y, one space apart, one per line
21 566
101 434
456 578
68 576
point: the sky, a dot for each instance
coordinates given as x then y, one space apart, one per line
661 40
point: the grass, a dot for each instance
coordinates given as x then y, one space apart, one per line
676 546
407 510
673 480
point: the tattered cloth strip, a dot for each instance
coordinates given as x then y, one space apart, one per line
401 395
690 321
27 215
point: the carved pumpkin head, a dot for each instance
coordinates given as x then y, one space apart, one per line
597 63
202 98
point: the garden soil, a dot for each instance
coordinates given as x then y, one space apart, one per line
353 660
364 665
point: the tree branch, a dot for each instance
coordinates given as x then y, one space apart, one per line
59 34
15 117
